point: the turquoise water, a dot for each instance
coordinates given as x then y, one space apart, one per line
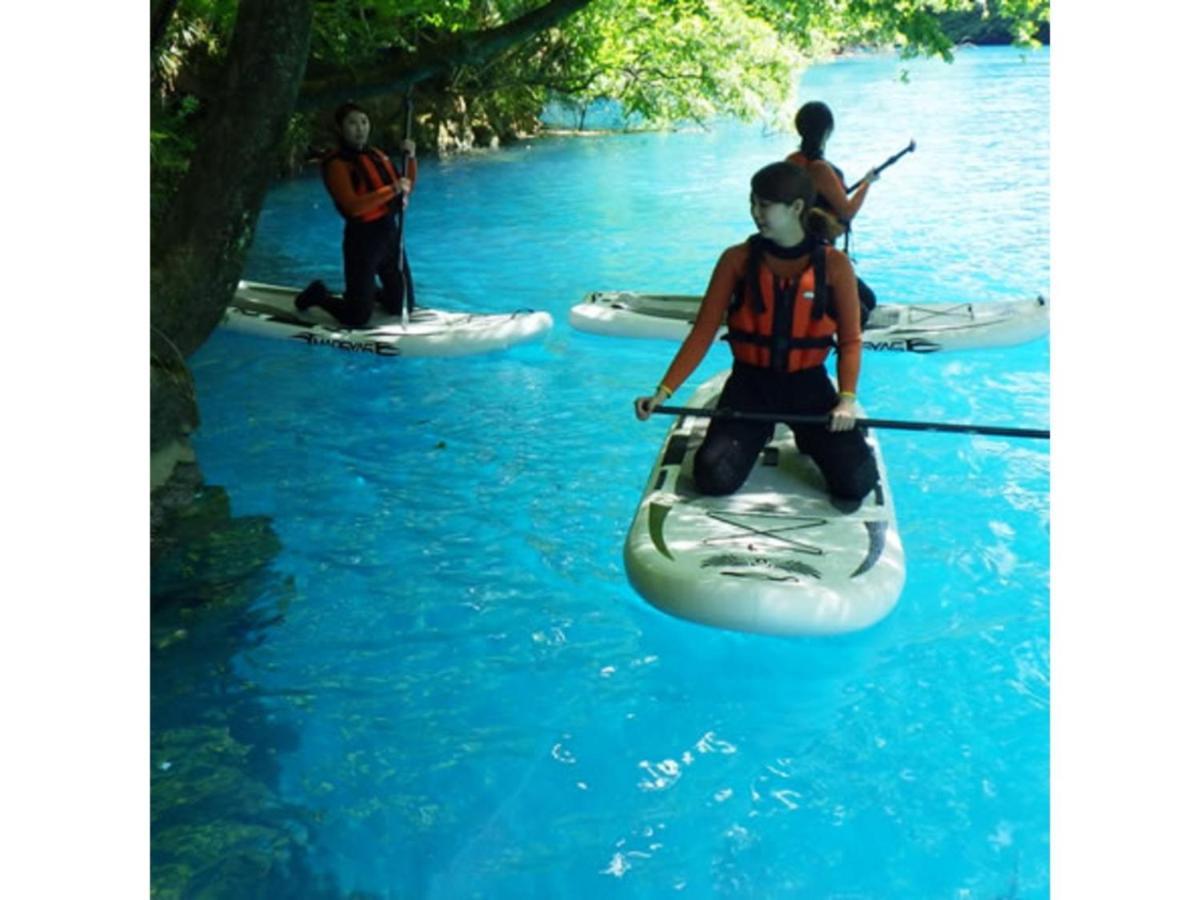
443 686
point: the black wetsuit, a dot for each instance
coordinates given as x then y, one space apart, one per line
725 458
369 250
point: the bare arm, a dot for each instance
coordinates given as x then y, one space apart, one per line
829 186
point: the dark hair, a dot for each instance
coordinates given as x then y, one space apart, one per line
785 182
782 182
339 114
813 120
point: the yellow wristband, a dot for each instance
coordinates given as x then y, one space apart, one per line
666 390
848 395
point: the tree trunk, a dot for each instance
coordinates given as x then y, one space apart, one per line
198 251
160 16
196 255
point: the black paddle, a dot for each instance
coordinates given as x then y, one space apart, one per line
952 427
912 145
408 300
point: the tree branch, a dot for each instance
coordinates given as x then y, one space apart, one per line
656 74
399 69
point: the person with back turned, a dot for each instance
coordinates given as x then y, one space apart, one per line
369 192
814 124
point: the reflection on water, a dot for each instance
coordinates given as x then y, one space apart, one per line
218 825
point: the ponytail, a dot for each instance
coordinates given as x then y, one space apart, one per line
814 120
822 225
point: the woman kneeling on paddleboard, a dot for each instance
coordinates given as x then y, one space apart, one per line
790 298
368 191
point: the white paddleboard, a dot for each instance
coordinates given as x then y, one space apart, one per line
777 557
269 311
895 327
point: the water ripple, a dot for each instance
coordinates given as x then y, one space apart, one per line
484 706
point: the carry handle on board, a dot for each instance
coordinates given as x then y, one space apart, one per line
912 145
951 427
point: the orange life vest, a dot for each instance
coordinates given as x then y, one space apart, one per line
370 169
778 325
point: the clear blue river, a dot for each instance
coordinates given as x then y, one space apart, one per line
443 686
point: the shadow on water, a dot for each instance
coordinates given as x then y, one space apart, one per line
218 825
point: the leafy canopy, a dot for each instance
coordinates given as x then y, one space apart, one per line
688 59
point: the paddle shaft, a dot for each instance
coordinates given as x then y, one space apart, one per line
912 145
901 425
405 272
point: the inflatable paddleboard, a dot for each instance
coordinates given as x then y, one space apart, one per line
896 327
269 311
777 557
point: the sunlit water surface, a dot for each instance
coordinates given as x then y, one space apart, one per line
459 694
